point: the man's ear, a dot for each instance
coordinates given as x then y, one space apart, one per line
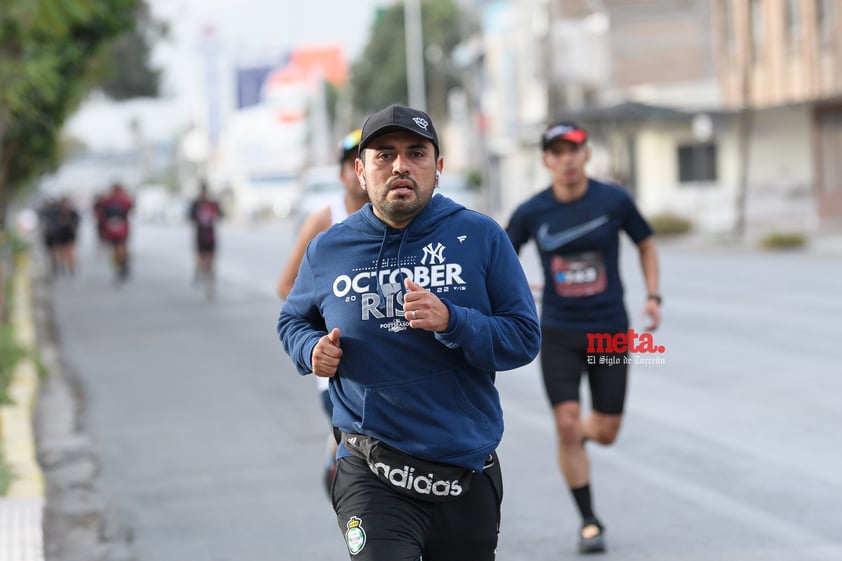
359 169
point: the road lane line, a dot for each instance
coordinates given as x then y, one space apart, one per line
810 545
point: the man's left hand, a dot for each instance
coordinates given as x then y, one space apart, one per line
423 309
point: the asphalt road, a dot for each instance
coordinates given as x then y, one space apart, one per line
211 446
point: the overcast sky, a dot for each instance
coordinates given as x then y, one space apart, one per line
244 29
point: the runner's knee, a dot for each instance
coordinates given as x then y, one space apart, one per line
568 423
605 428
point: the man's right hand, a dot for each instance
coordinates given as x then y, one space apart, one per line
326 355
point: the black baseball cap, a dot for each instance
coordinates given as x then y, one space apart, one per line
349 145
571 132
398 118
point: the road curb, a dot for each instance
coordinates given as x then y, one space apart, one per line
77 523
16 429
21 510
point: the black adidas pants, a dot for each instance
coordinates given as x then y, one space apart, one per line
379 524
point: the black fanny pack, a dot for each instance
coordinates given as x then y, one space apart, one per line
420 479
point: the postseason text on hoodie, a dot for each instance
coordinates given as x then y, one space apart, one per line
430 395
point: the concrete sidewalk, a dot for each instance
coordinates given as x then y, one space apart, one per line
21 510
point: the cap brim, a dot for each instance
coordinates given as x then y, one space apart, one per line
386 129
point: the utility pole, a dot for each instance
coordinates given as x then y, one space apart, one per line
210 52
414 54
745 123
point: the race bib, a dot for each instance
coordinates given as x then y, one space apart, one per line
116 228
206 215
579 275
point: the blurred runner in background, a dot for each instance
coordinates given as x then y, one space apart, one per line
49 225
115 208
204 213
67 219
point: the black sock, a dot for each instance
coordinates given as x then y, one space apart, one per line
582 495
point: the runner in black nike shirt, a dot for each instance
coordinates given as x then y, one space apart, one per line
576 224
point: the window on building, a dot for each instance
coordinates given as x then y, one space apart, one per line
824 20
793 19
697 162
829 144
757 29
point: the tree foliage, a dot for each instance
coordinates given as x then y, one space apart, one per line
378 77
48 49
127 71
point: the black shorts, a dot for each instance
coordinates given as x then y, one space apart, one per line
379 524
51 240
205 240
66 236
565 357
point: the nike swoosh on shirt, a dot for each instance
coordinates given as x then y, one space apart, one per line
550 242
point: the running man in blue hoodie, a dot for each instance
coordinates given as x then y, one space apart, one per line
410 306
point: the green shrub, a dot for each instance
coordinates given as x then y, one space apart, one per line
10 354
10 351
5 476
783 240
11 246
668 224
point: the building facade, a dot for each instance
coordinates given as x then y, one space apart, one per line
728 112
783 57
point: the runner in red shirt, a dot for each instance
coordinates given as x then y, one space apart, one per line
204 213
114 209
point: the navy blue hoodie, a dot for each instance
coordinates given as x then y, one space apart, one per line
431 395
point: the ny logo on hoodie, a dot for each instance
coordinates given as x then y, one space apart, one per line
436 254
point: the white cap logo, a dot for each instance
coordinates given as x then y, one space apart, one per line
422 123
558 131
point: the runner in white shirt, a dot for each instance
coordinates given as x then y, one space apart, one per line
354 198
